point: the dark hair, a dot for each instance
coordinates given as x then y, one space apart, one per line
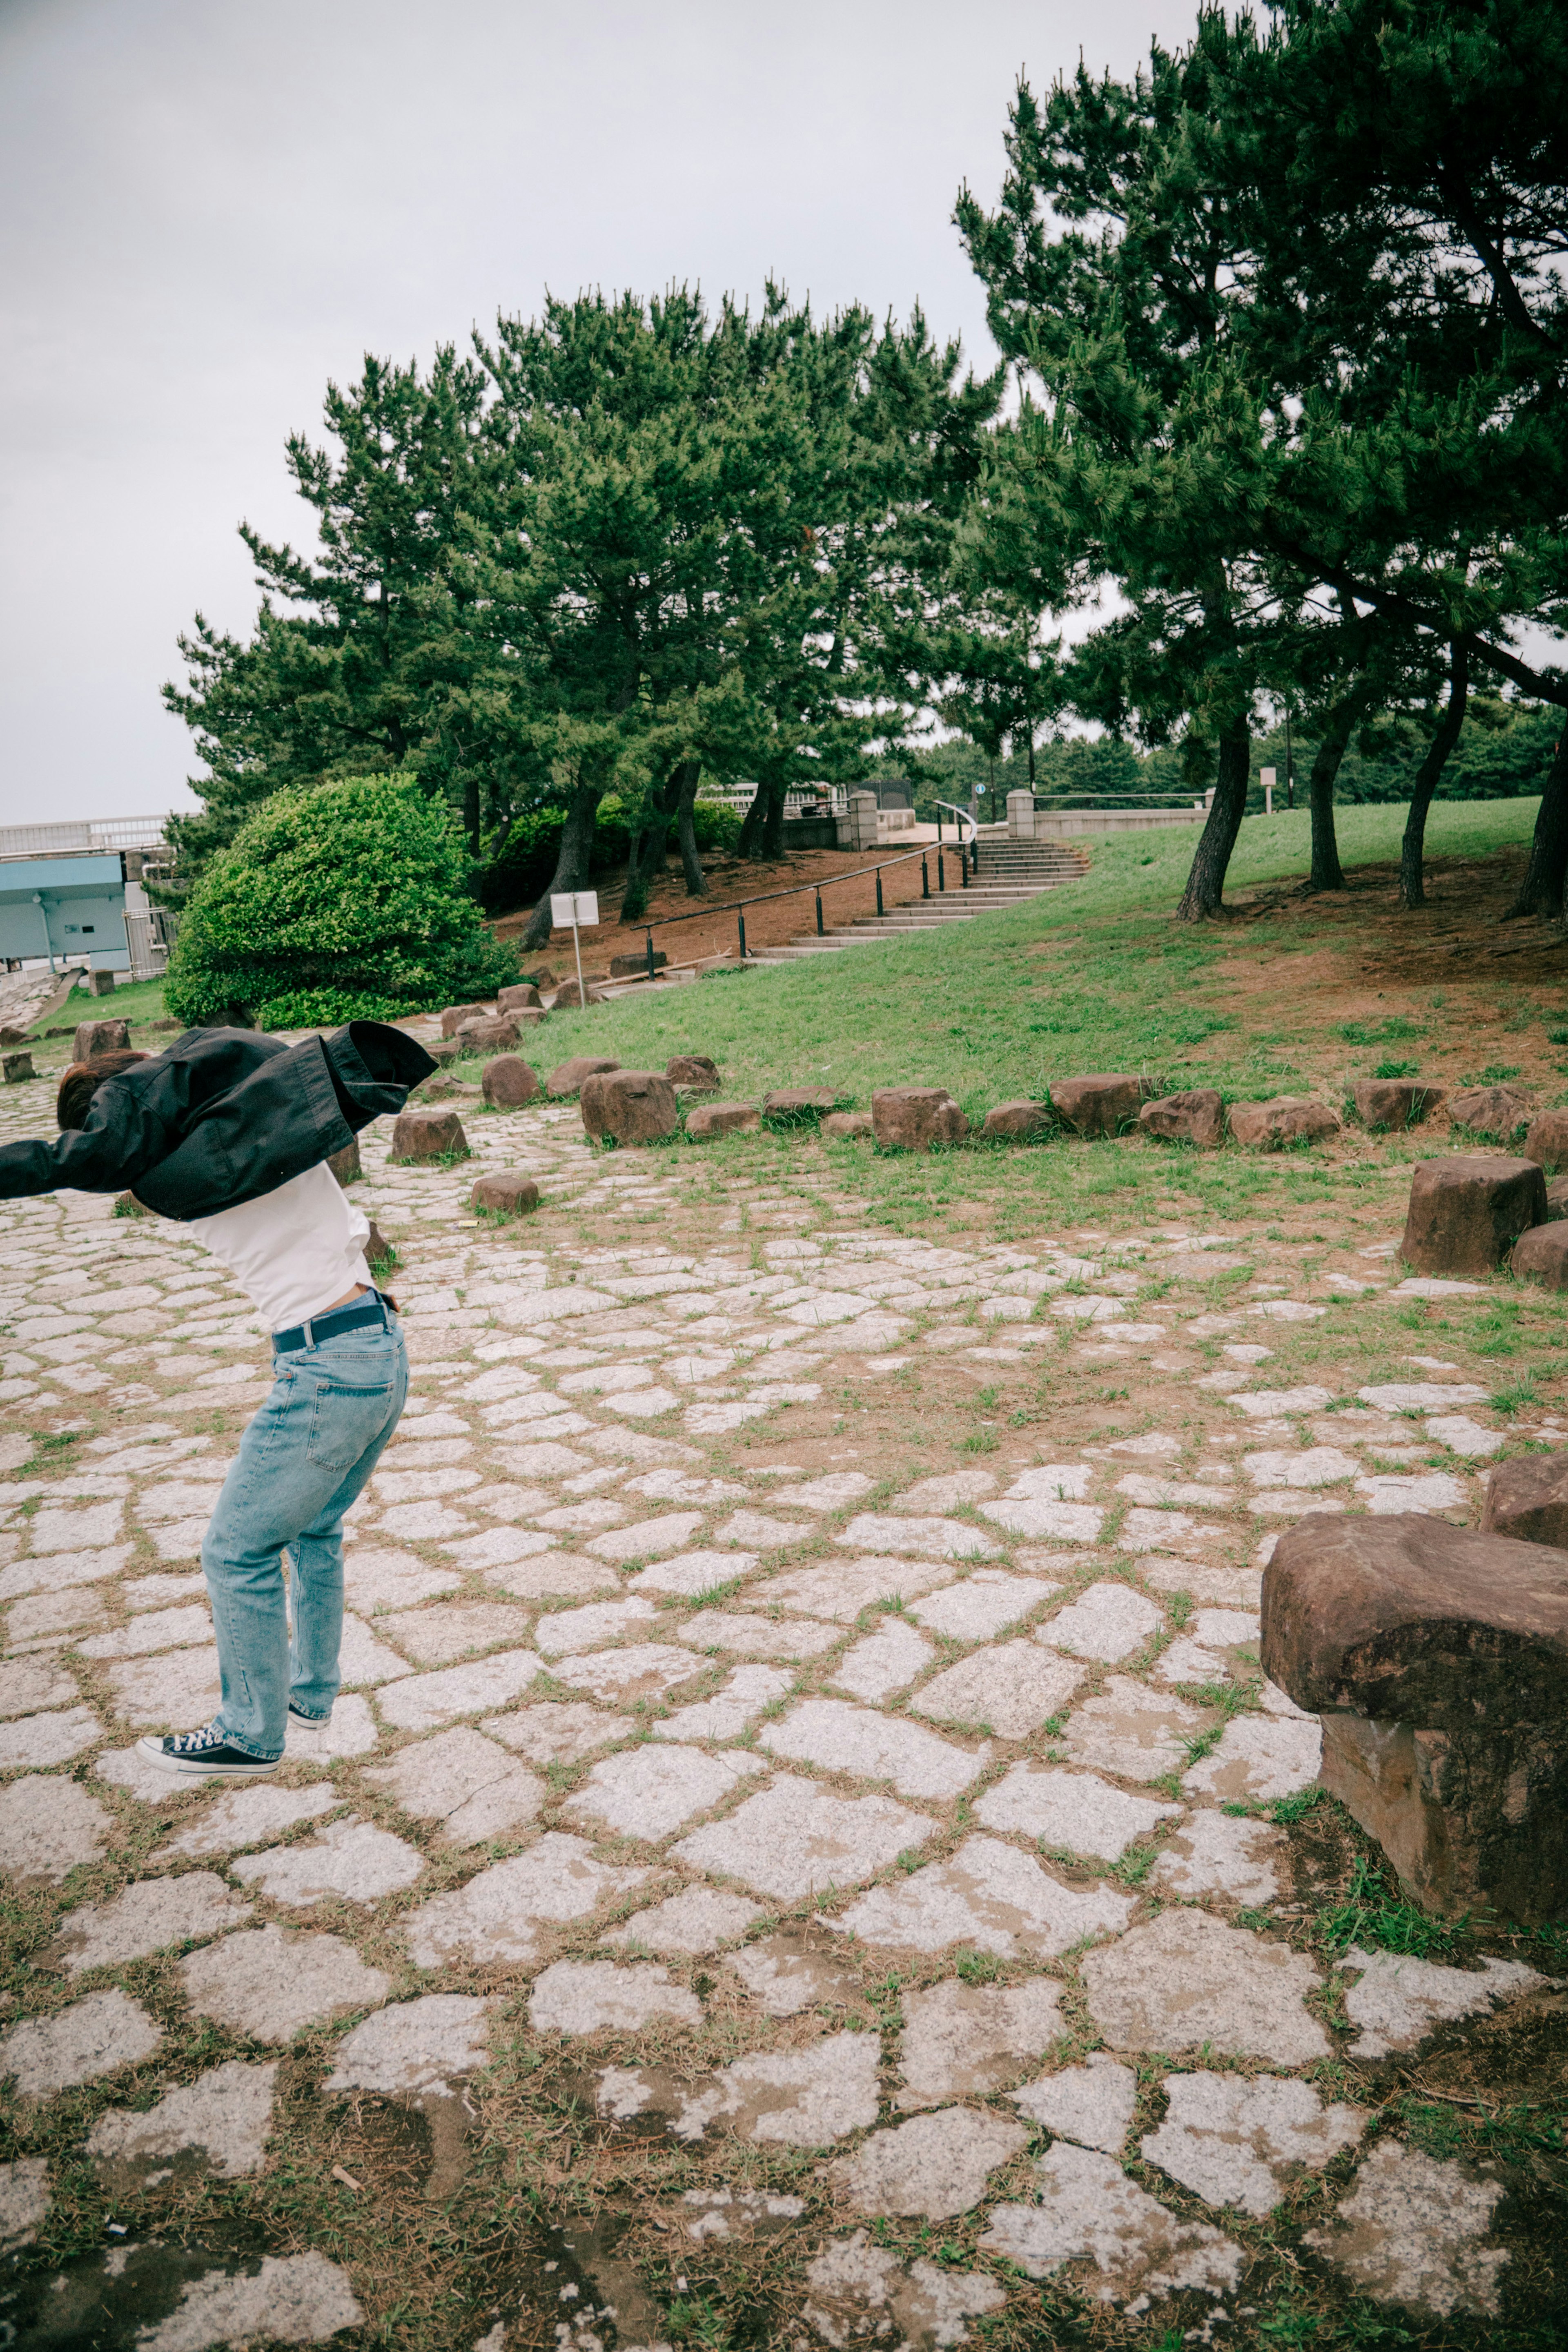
83 1079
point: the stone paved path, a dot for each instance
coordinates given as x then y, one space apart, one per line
788 1845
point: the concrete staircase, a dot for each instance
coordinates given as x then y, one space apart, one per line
1009 871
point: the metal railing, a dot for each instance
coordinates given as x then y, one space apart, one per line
85 833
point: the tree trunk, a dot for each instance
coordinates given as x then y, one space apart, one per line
1205 892
471 811
1327 872
649 842
756 825
573 862
688 777
1541 892
1413 848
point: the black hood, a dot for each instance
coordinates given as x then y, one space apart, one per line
223 1117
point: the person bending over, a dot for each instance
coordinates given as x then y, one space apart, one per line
230 1133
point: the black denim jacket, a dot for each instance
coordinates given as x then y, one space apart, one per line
223 1117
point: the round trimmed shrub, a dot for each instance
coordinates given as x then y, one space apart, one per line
342 902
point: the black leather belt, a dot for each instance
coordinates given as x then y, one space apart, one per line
373 1310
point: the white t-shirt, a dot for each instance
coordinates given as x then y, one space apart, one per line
294 1252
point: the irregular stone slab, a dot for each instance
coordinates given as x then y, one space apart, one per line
1183 1980
691 1573
415 2046
1399 2000
61 1571
95 2036
1092 2104
1090 2210
47 1826
1315 1465
435 1636
51 1530
1131 1730
1233 2141
24 2201
507 1912
557 1731
1196 1116
578 1996
914 1118
146 1916
934 2165
647 1538
1260 1757
169 1693
245 1817
391 1579
647 1791
931 1538
1010 1689
760 1637
349 1730
884 1662
571 1630
1467 1211
350 1858
28 1683
980 1607
959 2040
786 1974
709 1120
838 1737
1288 1118
1076 1811
620 1677
987 1895
1108 1622
298 2299
45 1739
1411 2232
1100 1104
953 1486
467 1783
696 1921
218 2125
793 1839
269 1983
792 2098
426 1700
841 1590
738 1701
832 1492
1226 1855
862 2289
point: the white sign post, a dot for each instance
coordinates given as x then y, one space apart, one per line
575 907
1265 777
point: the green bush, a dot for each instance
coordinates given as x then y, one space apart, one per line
348 901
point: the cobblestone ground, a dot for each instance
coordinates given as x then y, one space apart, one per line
799 1854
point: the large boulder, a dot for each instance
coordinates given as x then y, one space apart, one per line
711 1120
695 1072
1105 1103
455 1015
913 1119
16 1067
569 995
345 1165
1438 1657
1395 1102
492 1035
1196 1116
509 1082
567 1077
1467 1213
1489 1111
1288 1118
1557 1199
508 1196
1527 1499
95 1037
1542 1255
1546 1140
427 1135
1019 1122
519 997
630 1106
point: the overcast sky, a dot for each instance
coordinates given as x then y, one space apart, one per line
209 207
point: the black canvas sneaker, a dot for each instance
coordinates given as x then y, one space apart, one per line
205 1755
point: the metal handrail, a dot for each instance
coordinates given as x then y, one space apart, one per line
965 817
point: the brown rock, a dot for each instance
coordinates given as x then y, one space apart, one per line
913 1119
1466 1212
100 984
543 977
1557 1199
454 1017
567 1077
710 1119
513 1196
427 1135
1438 1658
491 1035
517 998
630 1106
786 1102
1100 1104
569 994
443 1088
509 1082
1547 1140
1542 1255
1288 1118
345 1165
635 967
1395 1102
9 1036
443 1052
15 1068
844 1123
1019 1122
95 1037
126 1204
1197 1116
694 1071
1528 1500
1489 1111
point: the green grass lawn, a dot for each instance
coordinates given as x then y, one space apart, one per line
139 1002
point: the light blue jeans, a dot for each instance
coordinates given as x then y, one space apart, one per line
301 1462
